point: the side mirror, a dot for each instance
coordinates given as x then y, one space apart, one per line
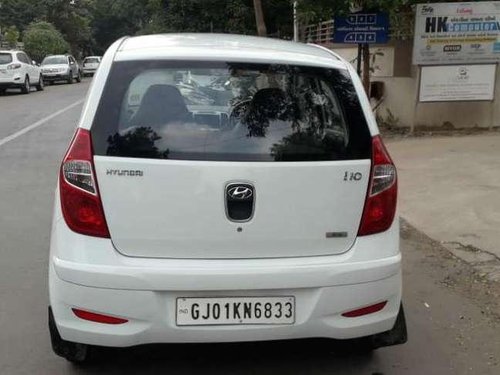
33 62
72 63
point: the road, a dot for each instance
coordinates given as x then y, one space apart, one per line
453 317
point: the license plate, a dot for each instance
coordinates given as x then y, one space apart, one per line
235 310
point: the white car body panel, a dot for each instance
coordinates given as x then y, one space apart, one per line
170 239
178 200
91 274
94 262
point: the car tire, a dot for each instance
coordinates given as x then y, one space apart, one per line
70 78
73 352
41 85
79 77
26 87
2 91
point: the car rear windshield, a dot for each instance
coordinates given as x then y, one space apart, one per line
91 60
5 58
54 60
229 112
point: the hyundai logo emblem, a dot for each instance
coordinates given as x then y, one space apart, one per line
240 192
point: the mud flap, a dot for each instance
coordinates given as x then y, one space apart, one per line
397 335
73 352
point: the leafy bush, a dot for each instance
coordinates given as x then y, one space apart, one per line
42 39
12 36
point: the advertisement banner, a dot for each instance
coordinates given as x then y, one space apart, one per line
457 33
457 83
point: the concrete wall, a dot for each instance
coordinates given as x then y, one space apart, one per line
402 100
401 94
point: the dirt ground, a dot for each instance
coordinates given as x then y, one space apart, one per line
452 272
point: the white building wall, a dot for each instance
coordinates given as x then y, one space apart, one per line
402 100
401 81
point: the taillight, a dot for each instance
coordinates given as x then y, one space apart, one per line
13 66
80 201
380 205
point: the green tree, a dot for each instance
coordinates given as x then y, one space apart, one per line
113 19
42 38
19 12
12 36
72 19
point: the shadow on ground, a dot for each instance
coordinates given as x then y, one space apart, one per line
297 357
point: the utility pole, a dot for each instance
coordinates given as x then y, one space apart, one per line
366 68
295 23
259 18
363 50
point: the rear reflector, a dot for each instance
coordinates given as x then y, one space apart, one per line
80 201
98 318
365 310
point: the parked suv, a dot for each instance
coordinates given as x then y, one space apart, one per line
61 68
237 196
17 70
90 65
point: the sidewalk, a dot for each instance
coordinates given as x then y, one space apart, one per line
450 188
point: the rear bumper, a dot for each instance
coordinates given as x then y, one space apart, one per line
87 273
225 275
151 314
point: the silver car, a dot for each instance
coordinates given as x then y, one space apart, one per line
61 68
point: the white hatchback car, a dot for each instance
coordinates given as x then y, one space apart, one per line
17 70
90 65
224 188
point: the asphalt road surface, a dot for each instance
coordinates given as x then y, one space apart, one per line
452 314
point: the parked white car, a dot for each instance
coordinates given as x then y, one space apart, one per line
90 65
262 208
17 70
61 68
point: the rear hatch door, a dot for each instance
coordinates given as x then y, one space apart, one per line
293 143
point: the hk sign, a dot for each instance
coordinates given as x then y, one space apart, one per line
457 33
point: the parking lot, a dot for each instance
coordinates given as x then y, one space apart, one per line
452 313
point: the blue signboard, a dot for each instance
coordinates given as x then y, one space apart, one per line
360 28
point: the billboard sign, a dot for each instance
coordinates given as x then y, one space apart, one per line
361 28
457 83
457 33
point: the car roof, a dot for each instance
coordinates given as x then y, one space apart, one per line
9 51
224 47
